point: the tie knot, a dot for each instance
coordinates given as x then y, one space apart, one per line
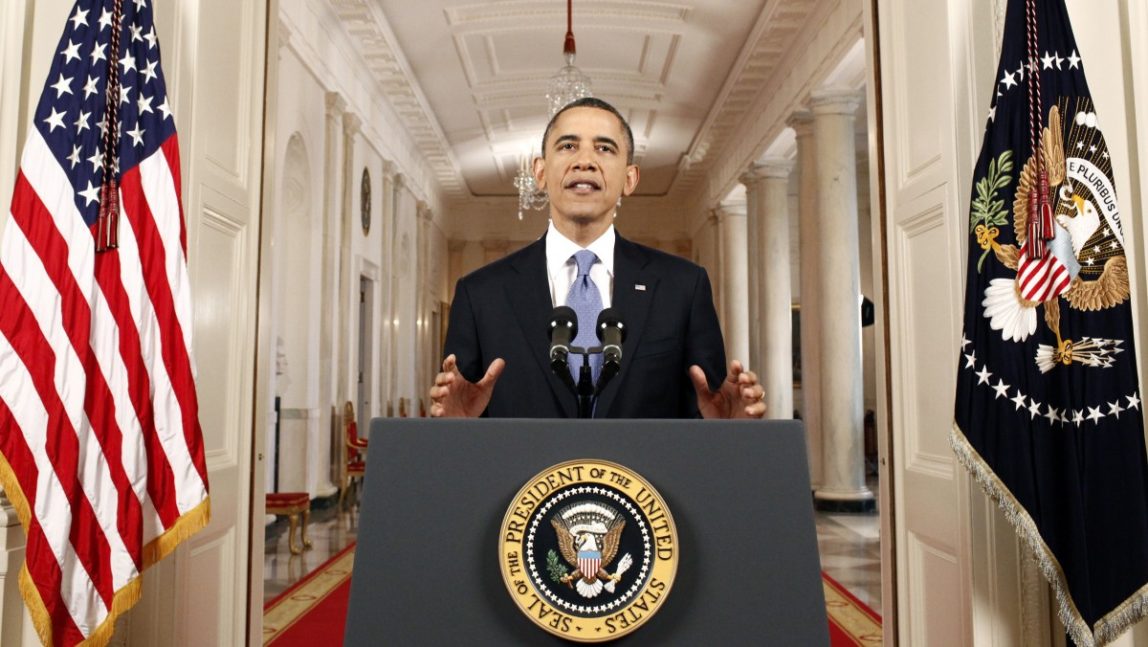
585 260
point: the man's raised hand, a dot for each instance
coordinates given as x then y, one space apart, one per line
452 396
740 396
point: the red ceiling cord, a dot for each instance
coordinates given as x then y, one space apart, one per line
568 47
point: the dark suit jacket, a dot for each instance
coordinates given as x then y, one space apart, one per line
502 310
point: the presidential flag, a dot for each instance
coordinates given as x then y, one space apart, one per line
102 454
1048 411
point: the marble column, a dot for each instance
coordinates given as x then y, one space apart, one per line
735 277
751 180
810 375
839 294
775 295
387 308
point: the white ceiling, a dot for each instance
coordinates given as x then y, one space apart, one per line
469 78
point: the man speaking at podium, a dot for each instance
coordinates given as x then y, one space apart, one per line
501 341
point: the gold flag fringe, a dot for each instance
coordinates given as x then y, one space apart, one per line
187 525
1107 628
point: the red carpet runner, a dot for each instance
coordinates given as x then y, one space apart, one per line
850 621
314 611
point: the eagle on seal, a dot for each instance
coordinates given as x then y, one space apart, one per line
588 537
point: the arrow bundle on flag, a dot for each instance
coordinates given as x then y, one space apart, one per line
1048 412
102 454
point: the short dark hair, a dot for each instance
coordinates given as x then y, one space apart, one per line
594 102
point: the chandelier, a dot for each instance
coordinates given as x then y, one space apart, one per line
568 85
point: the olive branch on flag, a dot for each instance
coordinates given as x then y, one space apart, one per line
988 211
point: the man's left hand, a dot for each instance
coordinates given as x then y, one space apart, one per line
740 396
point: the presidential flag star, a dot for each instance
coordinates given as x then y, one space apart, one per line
1053 415
55 120
99 53
1002 389
1078 417
1073 60
80 18
1018 400
1059 61
91 194
62 86
74 158
1008 80
964 341
1133 401
1047 61
90 87
993 113
1034 408
971 360
1094 415
984 375
71 52
1114 409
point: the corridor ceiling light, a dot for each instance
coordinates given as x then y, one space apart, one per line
567 86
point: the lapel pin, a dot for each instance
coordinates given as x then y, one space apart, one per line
640 287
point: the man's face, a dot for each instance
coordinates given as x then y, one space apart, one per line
584 169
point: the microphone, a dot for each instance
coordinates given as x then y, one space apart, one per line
563 328
611 332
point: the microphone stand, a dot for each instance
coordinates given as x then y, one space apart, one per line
585 389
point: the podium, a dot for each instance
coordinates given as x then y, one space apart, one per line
427 565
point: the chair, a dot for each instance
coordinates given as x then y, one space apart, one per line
354 449
291 504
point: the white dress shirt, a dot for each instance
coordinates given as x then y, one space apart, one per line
561 269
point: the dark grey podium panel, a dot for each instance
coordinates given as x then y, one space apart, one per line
427 567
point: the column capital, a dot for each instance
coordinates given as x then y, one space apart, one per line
834 101
335 103
732 209
351 124
801 122
769 168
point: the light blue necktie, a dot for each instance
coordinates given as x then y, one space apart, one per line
586 301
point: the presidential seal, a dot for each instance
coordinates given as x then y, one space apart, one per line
588 550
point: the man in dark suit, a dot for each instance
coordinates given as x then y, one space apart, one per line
498 343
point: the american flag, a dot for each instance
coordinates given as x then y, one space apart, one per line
102 449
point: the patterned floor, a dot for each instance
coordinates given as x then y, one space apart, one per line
849 546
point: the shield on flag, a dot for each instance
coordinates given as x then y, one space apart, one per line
589 561
1048 415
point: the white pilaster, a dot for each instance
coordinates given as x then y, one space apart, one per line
752 182
839 293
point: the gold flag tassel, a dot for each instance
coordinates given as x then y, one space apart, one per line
1041 227
108 221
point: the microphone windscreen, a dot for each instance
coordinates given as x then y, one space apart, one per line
610 318
565 317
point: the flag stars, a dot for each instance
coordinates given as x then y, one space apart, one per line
1002 389
74 158
1114 409
149 72
55 120
105 19
97 160
99 53
1092 148
90 194
124 90
1008 80
1059 61
79 19
971 360
137 33
140 4
1094 415
137 135
1105 155
62 86
1133 401
150 38
1053 415
128 62
1047 61
82 122
71 52
165 109
983 375
144 104
1073 61
965 342
1033 408
1078 417
90 87
993 113
1018 400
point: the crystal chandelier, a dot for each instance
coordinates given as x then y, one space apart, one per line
568 85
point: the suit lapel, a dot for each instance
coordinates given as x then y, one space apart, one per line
634 287
529 295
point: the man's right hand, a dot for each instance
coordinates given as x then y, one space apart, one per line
453 397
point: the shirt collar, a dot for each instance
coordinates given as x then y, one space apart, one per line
559 249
